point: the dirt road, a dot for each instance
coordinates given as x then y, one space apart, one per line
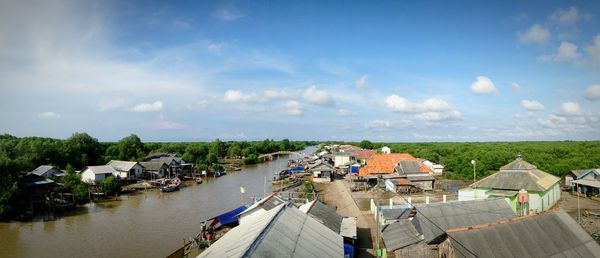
337 194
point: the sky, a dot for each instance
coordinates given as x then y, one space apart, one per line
410 71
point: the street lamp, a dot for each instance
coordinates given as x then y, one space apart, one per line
474 177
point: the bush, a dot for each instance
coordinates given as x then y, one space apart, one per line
111 185
251 159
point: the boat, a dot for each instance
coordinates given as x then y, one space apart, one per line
170 188
217 174
170 185
199 180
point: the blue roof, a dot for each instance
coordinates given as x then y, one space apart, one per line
230 217
294 169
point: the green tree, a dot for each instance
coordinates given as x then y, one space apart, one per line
251 159
365 144
83 150
111 185
130 148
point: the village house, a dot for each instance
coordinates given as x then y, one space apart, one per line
283 231
126 169
95 174
362 156
542 189
416 173
47 171
36 189
344 226
386 150
587 179
321 171
177 166
154 169
381 164
342 159
548 234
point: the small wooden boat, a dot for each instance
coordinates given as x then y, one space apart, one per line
217 174
169 188
198 180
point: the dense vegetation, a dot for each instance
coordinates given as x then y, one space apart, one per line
557 158
19 155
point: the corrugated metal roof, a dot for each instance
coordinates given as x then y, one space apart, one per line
420 250
503 193
105 169
267 203
530 180
121 165
592 183
550 234
325 215
400 234
153 165
518 164
348 227
396 213
281 232
460 214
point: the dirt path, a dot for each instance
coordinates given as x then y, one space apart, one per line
337 194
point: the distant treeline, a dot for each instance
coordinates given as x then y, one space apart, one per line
19 155
558 157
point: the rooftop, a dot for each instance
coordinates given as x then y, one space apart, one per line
121 165
435 218
548 234
324 214
383 163
518 175
104 169
283 231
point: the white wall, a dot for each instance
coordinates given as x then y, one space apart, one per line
88 176
340 160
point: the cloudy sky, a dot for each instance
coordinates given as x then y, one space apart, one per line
422 71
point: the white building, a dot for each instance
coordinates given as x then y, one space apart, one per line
126 169
342 158
386 150
95 174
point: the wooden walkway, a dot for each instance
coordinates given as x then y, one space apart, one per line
270 156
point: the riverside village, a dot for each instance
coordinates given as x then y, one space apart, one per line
345 201
299 129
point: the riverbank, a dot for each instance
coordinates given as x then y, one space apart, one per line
142 224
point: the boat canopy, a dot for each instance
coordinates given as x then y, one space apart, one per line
231 216
293 170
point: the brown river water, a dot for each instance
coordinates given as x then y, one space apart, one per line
144 224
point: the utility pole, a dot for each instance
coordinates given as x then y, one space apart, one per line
578 209
474 175
377 218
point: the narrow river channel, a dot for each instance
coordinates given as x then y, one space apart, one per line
145 224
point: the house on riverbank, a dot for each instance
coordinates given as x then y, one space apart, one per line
48 171
283 231
542 189
321 171
587 179
95 174
126 169
154 169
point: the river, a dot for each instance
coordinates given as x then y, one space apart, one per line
145 224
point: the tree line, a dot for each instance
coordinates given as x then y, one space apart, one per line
20 155
556 157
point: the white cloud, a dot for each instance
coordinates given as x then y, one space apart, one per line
570 109
293 107
593 92
566 52
228 13
432 109
483 86
144 107
344 112
378 125
169 125
535 34
50 115
439 116
362 82
532 105
593 50
396 103
570 16
318 97
236 96
565 123
280 94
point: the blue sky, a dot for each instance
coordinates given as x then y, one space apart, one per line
303 70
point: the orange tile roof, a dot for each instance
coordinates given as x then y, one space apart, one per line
383 163
364 154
